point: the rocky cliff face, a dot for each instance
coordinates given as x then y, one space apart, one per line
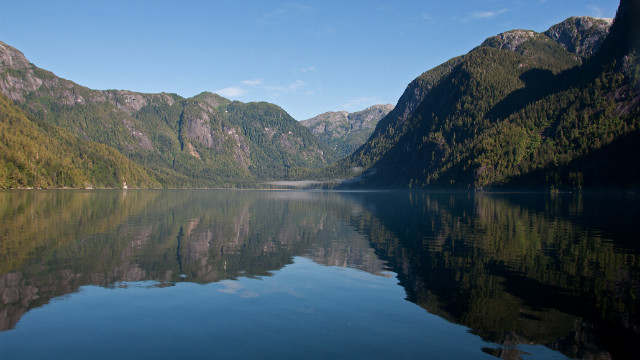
340 123
510 40
582 35
343 131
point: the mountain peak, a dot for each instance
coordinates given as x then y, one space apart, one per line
383 107
343 131
212 99
510 40
580 35
12 58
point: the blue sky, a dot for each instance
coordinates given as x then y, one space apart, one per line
306 56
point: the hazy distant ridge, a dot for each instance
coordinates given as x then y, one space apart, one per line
344 132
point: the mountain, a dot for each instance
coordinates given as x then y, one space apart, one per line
344 132
202 141
36 154
580 35
522 109
551 109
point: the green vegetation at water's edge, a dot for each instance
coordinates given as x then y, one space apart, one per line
39 155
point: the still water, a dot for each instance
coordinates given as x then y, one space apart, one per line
293 274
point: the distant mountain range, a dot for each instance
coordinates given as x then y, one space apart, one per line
523 109
344 132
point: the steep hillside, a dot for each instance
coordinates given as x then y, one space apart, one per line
517 110
202 141
277 142
344 132
40 155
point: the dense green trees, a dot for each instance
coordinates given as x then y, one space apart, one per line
40 155
519 110
276 141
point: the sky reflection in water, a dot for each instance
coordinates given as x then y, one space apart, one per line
206 274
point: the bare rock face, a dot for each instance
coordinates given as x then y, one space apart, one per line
141 138
14 66
340 123
19 77
127 101
510 40
241 150
344 131
370 115
199 129
581 35
204 126
15 87
11 58
325 122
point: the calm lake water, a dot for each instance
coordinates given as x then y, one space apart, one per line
293 274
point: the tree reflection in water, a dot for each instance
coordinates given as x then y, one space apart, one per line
558 270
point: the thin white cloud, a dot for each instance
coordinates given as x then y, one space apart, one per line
486 14
308 69
426 16
254 82
258 85
296 85
277 90
294 6
480 15
230 287
360 103
249 295
232 91
328 30
283 11
597 12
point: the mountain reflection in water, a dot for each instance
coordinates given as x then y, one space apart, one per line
556 270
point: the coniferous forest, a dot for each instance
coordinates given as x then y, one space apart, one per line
521 110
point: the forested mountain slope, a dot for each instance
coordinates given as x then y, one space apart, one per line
523 109
202 141
34 154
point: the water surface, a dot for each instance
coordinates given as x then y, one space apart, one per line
294 274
